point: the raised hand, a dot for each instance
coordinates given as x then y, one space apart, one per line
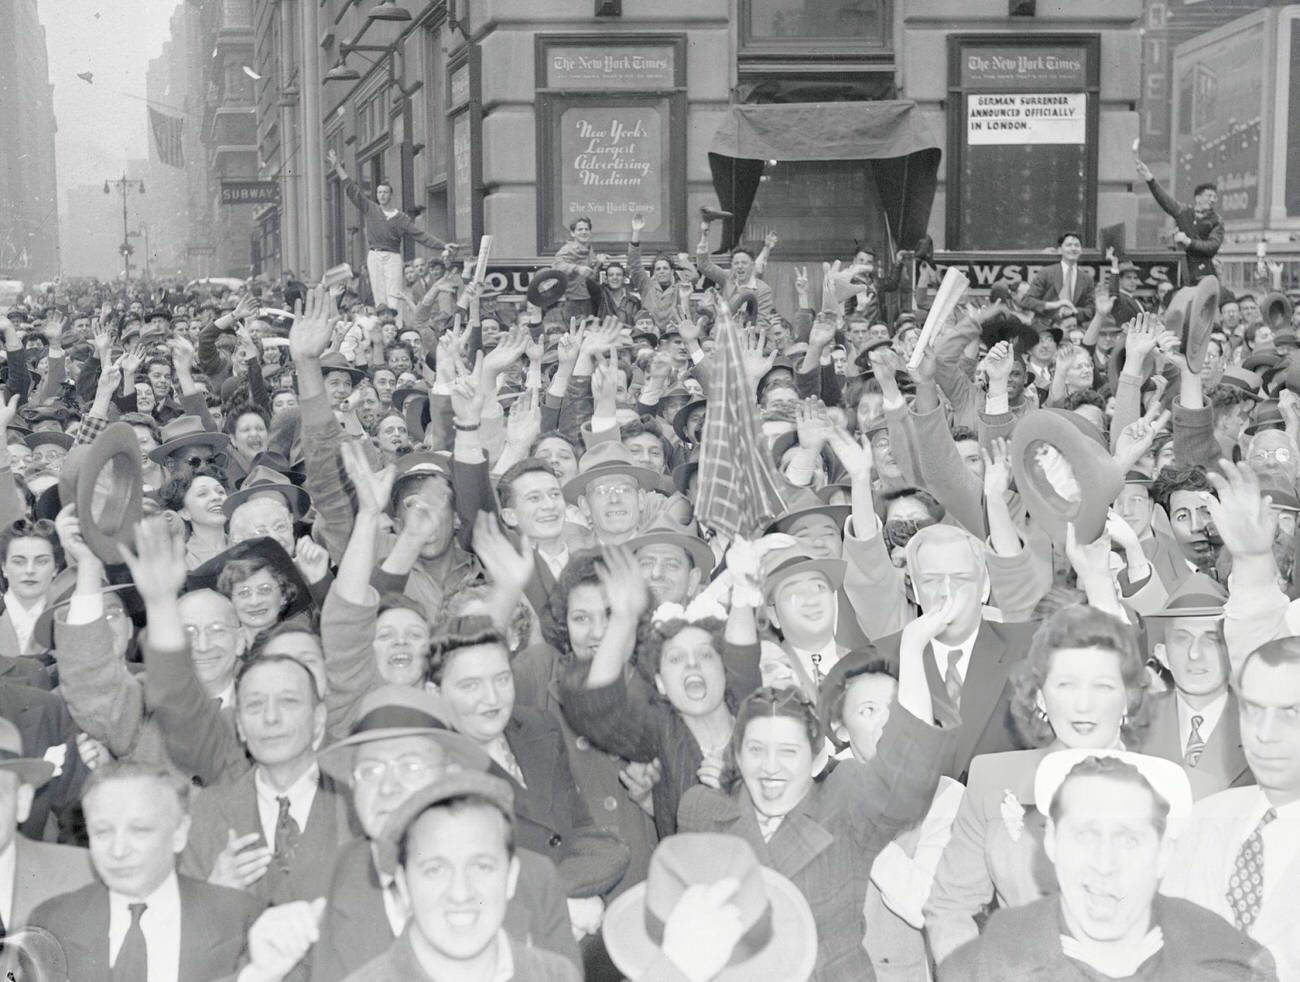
1143 171
822 333
997 365
468 393
1091 560
997 468
1143 335
854 457
812 423
372 487
247 307
1243 516
625 587
1105 303
312 560
309 337
601 336
506 566
183 355
769 241
604 383
801 280
8 410
280 938
1136 438
524 423
510 348
755 361
68 527
638 225
157 563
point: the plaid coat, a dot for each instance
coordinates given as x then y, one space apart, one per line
827 844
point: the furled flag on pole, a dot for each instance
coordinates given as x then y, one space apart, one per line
739 490
167 137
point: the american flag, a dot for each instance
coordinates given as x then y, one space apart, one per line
739 490
167 137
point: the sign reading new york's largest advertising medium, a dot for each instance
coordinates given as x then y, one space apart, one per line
611 119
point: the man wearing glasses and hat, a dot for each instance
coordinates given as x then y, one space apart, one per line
399 748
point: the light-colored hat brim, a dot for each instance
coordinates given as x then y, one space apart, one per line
789 956
336 760
1167 778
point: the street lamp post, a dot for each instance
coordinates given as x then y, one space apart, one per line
125 185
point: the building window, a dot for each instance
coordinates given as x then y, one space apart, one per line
784 22
372 117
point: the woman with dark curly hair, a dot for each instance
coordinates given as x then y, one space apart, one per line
677 708
1081 686
824 835
31 556
260 593
198 500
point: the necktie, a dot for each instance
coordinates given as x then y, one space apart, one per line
1195 743
1067 284
132 963
817 668
287 834
952 678
1246 885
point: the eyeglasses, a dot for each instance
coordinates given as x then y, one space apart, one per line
407 770
248 592
1280 454
603 491
215 632
274 529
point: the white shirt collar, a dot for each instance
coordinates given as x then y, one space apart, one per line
227 695
23 618
1210 717
940 652
301 795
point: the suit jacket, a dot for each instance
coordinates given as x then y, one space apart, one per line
47 732
995 853
986 724
1222 765
214 929
43 870
1048 283
355 927
551 817
827 843
1203 862
1023 944
233 805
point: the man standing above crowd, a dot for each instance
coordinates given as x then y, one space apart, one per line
1200 229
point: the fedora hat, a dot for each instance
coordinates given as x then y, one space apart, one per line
1248 381
185 431
1167 778
1052 498
1267 416
43 633
43 438
392 711
1191 315
1276 309
547 288
1196 596
781 564
277 461
683 415
266 480
744 305
611 457
682 475
1263 359
30 770
206 576
108 513
666 532
779 939
406 392
801 505
333 361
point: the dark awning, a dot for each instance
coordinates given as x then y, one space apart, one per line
904 154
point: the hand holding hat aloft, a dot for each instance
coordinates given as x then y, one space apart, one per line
68 529
1089 559
1242 515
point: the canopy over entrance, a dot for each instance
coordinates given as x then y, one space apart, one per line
891 135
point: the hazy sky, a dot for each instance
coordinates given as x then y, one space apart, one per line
100 125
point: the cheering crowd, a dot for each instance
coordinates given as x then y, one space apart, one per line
388 629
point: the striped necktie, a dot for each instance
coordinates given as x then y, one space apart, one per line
952 678
1195 743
